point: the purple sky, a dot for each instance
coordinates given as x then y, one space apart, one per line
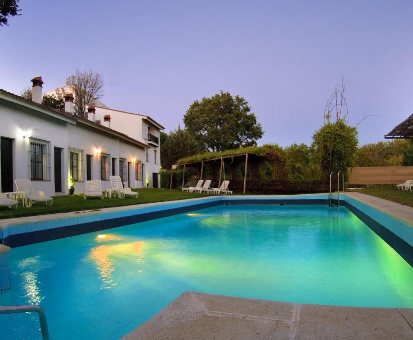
283 57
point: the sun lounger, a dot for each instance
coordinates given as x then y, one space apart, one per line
93 189
196 187
30 196
406 185
129 192
205 187
223 189
6 201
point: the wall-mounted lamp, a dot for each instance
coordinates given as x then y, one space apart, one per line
26 133
133 159
97 151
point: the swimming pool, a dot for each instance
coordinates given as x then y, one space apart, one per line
101 287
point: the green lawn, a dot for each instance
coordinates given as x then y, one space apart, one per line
391 194
77 203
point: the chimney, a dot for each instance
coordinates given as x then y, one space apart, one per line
91 113
69 103
106 118
37 89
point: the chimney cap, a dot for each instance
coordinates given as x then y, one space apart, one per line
68 97
91 109
106 118
37 81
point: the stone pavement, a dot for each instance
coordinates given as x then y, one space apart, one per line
206 316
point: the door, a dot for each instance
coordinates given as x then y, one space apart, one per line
155 180
128 174
6 165
58 170
88 167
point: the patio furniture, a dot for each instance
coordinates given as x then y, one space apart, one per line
116 186
187 185
30 196
406 185
223 189
129 192
205 187
6 201
93 188
196 187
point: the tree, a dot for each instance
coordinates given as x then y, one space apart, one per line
27 93
381 154
336 145
408 153
86 86
53 103
178 144
8 8
222 122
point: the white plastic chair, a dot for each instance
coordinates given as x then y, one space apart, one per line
205 187
195 188
223 189
93 188
6 201
30 196
406 185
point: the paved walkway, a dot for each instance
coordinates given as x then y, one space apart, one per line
206 316
397 210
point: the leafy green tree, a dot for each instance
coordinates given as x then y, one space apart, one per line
8 8
53 103
381 153
408 153
297 156
336 145
178 144
27 93
222 122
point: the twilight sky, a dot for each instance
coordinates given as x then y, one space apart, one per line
283 57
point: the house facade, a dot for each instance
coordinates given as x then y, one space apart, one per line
49 146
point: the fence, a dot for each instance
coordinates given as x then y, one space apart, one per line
380 174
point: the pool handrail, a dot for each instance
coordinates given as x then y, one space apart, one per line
26 309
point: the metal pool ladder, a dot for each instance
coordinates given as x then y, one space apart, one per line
338 188
26 309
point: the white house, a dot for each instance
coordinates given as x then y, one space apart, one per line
49 146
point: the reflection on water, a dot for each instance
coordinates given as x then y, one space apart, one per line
105 265
105 258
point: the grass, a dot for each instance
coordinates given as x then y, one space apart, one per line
391 194
62 204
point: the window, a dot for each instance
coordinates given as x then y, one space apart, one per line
147 155
123 169
89 167
104 167
138 171
154 155
39 160
113 166
76 164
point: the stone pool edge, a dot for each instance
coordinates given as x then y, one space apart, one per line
207 316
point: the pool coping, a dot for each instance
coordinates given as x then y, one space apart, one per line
207 316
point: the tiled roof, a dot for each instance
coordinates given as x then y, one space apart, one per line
77 119
403 130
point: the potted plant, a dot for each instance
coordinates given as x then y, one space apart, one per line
71 185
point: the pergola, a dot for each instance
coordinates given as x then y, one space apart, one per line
222 159
402 131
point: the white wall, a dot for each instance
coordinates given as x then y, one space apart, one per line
64 134
15 119
136 127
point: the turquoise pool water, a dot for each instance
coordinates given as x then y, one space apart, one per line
103 285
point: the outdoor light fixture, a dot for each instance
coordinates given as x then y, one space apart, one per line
133 159
97 151
26 133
